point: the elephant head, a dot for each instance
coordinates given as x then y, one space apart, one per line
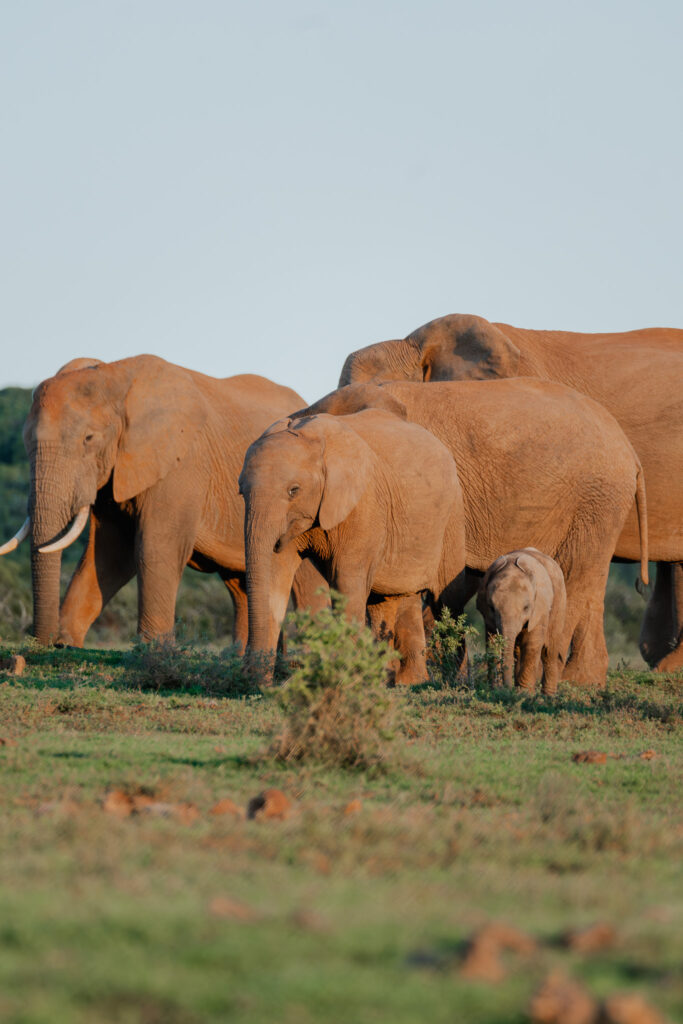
516 593
127 424
456 347
302 473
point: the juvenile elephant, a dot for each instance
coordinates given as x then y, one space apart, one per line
636 375
540 465
150 452
373 500
522 597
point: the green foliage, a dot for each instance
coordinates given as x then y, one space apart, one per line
488 666
169 664
447 646
336 703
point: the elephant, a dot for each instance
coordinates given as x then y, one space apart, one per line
541 465
150 453
635 375
523 598
373 500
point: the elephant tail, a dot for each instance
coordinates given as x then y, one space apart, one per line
641 507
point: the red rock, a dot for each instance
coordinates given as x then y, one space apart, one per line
590 940
118 803
271 803
227 806
562 1001
482 959
628 1008
590 757
353 807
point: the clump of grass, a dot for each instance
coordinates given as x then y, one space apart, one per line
170 664
337 707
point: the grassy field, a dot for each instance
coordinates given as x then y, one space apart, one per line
344 911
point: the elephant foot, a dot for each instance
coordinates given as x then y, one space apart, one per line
580 675
411 673
673 661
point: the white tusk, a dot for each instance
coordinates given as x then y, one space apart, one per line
76 530
16 540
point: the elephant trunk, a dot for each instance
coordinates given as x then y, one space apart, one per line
51 508
270 575
509 633
509 661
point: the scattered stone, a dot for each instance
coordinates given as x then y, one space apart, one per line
562 1001
590 757
647 755
482 963
15 665
482 959
353 807
592 939
225 907
118 803
227 806
628 1008
271 803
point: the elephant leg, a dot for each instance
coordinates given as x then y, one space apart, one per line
105 566
237 588
410 641
310 589
552 659
399 621
159 568
660 628
584 628
352 583
527 670
673 661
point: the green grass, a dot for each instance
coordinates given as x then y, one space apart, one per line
479 814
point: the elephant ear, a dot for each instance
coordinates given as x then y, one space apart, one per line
465 348
347 468
164 412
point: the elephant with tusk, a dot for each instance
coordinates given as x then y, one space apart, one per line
149 453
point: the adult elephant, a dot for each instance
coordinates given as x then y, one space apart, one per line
635 375
541 466
150 452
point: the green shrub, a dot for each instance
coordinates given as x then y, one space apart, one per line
171 664
447 648
336 703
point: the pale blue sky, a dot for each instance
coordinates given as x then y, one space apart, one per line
265 186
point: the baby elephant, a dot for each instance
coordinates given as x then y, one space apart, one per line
522 597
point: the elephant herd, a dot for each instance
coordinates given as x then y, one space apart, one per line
437 455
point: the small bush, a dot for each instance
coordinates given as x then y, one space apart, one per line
447 648
336 703
171 664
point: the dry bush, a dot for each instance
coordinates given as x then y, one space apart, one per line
336 703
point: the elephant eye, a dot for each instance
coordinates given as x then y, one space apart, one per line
293 490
